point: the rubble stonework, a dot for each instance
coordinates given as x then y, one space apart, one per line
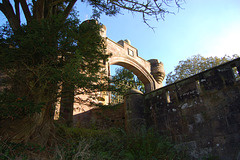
200 113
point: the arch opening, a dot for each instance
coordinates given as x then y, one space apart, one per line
142 74
122 80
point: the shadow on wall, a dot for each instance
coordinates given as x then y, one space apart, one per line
101 118
201 113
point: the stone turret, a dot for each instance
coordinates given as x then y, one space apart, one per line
157 70
103 30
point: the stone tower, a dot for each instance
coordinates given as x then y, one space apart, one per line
157 70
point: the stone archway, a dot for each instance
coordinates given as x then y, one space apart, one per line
150 72
142 74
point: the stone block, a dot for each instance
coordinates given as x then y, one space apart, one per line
211 80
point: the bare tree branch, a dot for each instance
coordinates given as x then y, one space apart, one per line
69 8
8 11
45 8
57 2
146 9
26 10
17 10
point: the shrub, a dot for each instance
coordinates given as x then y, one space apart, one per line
14 107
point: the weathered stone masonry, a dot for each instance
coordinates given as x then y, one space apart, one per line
150 72
201 113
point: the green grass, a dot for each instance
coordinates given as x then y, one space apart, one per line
91 144
114 144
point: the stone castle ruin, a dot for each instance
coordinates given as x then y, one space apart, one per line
150 72
201 113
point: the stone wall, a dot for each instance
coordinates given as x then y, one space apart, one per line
200 113
101 117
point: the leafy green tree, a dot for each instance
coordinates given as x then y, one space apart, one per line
124 80
40 58
50 51
82 71
194 65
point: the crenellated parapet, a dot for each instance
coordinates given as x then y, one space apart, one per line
200 113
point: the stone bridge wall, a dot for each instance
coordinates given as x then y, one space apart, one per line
101 118
200 113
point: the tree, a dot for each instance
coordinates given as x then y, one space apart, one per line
194 65
124 80
38 63
46 53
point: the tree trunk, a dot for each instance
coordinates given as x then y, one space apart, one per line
35 129
67 100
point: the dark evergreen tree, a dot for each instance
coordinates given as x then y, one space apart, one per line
40 60
50 51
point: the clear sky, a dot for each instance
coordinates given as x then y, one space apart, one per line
206 27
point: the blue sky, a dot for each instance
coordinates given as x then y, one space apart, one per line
206 27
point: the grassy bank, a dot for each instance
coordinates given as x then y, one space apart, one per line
92 144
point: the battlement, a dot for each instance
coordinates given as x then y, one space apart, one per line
201 112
